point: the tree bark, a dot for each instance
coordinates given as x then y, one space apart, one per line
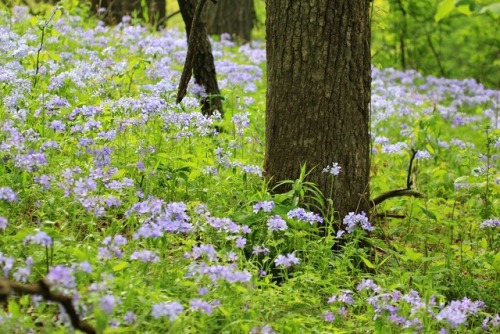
233 17
203 66
318 94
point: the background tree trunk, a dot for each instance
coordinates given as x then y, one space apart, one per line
318 94
116 9
204 66
230 16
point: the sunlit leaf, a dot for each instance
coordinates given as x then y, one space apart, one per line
444 9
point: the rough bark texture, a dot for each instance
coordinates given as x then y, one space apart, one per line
116 9
204 66
230 16
318 94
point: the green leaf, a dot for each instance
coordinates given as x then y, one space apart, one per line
444 9
120 266
368 263
412 255
428 213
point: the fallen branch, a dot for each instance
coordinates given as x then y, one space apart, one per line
396 193
42 288
400 192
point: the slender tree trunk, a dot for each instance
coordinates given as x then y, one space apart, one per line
318 94
230 16
204 66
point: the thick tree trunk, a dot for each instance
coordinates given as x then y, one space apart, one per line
233 17
116 9
318 94
204 66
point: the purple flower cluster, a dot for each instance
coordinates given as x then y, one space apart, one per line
302 215
8 194
171 310
333 169
111 246
108 303
145 256
41 238
61 276
198 304
457 312
492 223
286 261
265 206
219 272
161 218
352 220
276 223
3 223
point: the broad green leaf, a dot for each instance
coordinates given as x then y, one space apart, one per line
465 9
428 213
120 266
412 255
444 9
368 263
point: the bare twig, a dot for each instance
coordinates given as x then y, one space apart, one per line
44 29
400 192
408 177
168 17
42 288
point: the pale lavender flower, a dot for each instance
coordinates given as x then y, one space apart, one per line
422 155
3 223
145 256
328 316
302 215
276 223
199 251
7 264
352 220
41 238
171 310
61 275
286 260
8 194
130 318
367 284
232 257
22 274
334 169
240 242
58 126
85 267
260 250
201 305
265 206
493 222
44 181
108 303
453 316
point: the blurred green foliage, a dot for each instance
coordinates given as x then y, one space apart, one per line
448 38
